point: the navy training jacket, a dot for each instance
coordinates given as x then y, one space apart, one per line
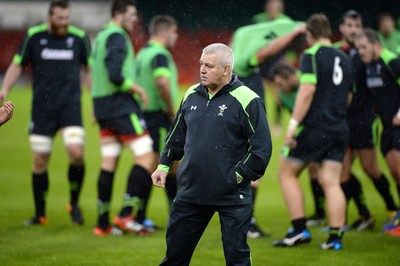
217 137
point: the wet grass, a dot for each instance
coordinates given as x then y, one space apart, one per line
62 243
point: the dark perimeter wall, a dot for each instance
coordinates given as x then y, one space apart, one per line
206 21
231 14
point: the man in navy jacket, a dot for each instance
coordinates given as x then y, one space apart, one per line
222 134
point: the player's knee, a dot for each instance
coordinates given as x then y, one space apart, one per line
73 135
141 146
40 144
111 149
142 149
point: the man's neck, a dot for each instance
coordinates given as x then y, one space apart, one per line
116 22
159 40
322 41
215 89
345 42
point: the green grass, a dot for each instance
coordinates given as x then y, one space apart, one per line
61 243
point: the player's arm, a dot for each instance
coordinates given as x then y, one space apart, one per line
302 104
14 71
87 77
276 46
116 51
164 86
12 74
303 101
349 98
87 62
304 97
395 68
162 75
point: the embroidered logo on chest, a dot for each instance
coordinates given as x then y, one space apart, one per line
222 109
70 42
43 41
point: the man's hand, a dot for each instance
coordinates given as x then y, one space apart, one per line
6 112
289 140
301 29
290 133
396 119
142 94
159 177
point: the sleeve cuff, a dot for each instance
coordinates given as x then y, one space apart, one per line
162 72
126 85
163 167
308 78
246 173
17 59
254 61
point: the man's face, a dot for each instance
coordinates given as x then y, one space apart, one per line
350 28
365 49
211 70
286 85
172 36
129 18
59 21
274 8
386 25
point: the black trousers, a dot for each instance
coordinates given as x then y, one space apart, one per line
187 224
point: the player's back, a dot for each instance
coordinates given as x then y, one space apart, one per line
333 77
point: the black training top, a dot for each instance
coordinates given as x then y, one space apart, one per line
217 137
329 69
383 81
56 63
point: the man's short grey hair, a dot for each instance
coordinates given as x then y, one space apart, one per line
223 51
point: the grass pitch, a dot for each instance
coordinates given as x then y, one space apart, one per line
62 243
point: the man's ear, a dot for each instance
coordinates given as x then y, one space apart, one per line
227 69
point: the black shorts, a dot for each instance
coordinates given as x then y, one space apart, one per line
125 128
363 130
47 123
316 146
158 124
390 140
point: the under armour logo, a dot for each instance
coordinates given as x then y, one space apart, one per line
193 107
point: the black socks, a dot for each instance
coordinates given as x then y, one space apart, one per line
40 184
